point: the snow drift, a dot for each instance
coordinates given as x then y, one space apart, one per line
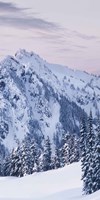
60 184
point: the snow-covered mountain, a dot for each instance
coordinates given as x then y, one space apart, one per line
40 99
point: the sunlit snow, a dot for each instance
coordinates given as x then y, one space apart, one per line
60 184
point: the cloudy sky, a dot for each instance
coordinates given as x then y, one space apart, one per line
61 31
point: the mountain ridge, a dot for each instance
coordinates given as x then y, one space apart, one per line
40 99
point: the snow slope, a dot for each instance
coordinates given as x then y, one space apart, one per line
60 184
79 86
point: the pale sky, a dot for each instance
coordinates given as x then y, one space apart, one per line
66 32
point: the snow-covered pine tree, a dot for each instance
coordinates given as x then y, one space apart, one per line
96 167
76 149
25 157
57 159
16 164
69 149
34 155
88 176
83 146
6 168
65 149
47 160
72 147
37 161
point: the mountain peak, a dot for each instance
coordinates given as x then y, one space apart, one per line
22 53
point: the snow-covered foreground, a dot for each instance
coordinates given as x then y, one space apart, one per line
61 184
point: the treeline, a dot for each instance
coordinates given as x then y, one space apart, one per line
28 157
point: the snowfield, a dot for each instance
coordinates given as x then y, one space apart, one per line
60 184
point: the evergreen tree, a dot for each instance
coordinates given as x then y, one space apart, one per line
65 149
88 158
83 147
72 150
57 159
25 157
47 160
16 163
76 149
96 169
7 165
34 154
